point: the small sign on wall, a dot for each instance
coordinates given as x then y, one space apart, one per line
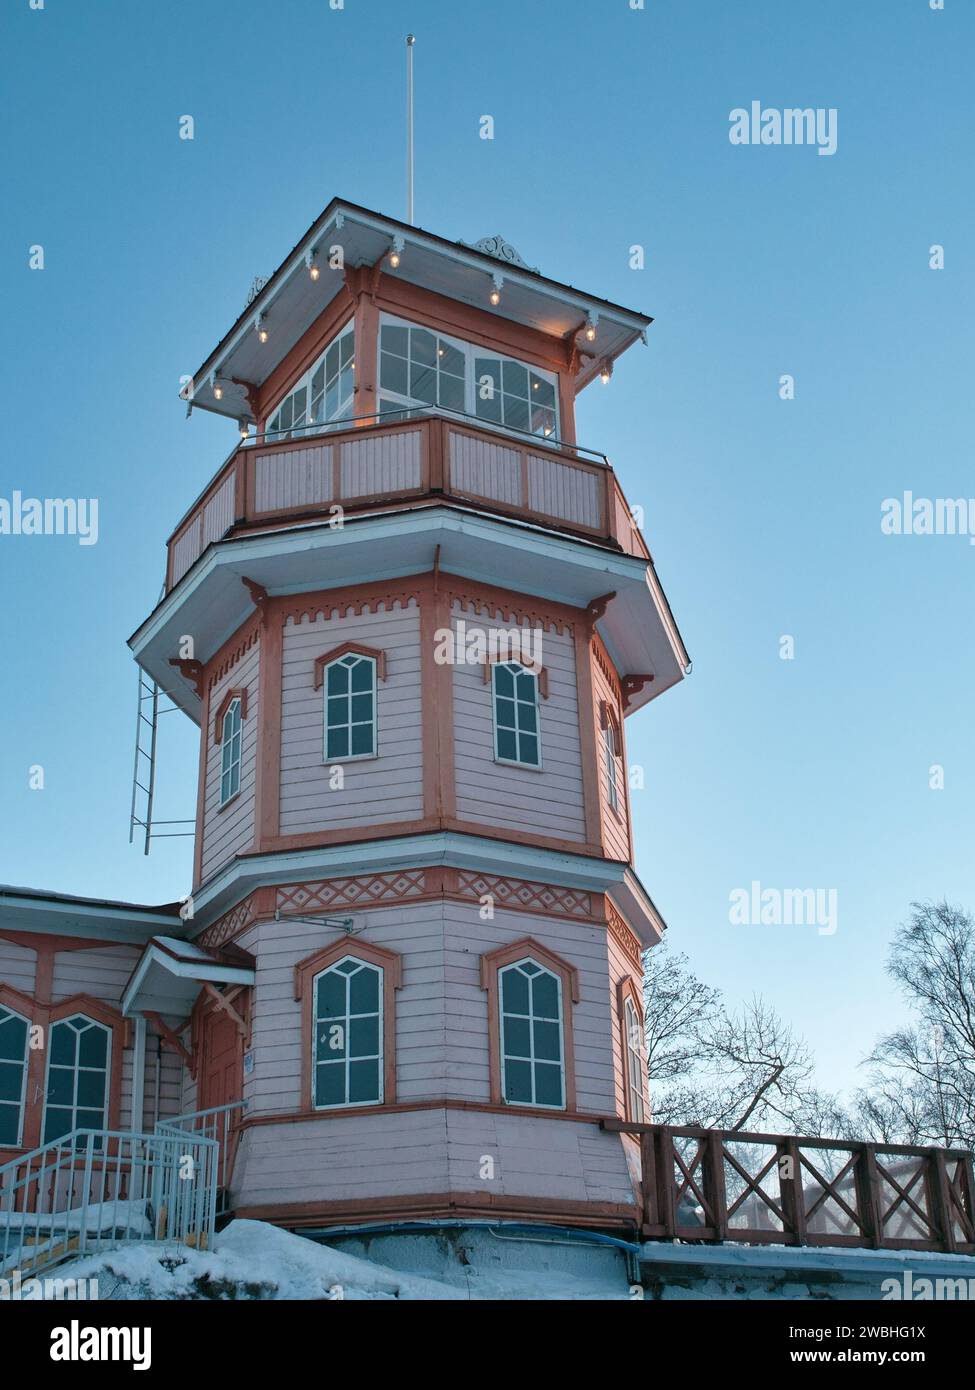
248 1064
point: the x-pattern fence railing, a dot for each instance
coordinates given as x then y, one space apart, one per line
715 1185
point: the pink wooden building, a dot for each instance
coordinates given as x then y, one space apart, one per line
410 615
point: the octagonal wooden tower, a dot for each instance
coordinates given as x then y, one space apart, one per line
419 615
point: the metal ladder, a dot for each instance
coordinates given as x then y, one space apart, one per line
147 715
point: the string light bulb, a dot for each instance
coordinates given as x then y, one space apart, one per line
244 428
396 254
605 372
591 322
217 391
314 269
260 325
495 295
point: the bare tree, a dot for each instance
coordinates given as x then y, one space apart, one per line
714 1068
922 1076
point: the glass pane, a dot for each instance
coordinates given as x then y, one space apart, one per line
62 1044
548 1084
331 996
528 750
505 713
364 1037
56 1123
517 1037
504 681
337 744
91 1088
423 384
515 379
543 392
60 1086
331 399
13 1038
451 359
330 1040
364 991
363 1081
423 347
9 1124
362 742
362 676
547 1041
346 347
395 340
330 1083
545 996
338 710
527 718
394 374
11 1080
93 1047
543 422
507 746
514 992
318 381
332 363
451 392
526 686
515 413
361 707
346 385
338 678
518 1082
90 1119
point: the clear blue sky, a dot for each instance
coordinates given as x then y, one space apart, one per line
763 515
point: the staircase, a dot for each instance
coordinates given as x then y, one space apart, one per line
94 1189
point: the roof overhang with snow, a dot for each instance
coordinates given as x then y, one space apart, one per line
171 973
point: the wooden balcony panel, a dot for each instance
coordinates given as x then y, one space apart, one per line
381 463
760 1189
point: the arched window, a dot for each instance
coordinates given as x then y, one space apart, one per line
633 1061
350 707
14 1032
230 751
348 1035
78 1065
612 771
514 692
532 1049
324 394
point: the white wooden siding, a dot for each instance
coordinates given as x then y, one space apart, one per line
376 790
560 490
543 802
483 469
17 966
380 464
300 477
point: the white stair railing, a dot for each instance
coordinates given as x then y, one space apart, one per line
219 1123
93 1189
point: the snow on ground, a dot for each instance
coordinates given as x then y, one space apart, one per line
251 1259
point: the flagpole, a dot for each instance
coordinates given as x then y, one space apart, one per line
410 41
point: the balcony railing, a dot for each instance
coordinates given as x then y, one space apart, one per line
716 1185
382 462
